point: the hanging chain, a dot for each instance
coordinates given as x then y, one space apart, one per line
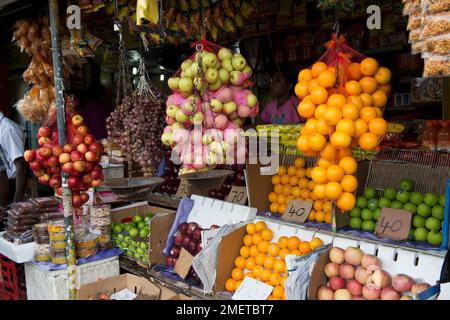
198 80
122 78
161 25
337 26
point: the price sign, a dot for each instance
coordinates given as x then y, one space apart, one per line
183 189
252 289
238 195
394 224
184 263
297 211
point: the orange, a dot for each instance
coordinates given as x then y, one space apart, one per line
350 111
379 99
379 112
265 275
230 285
320 111
272 197
285 179
340 139
322 163
318 95
257 270
335 173
278 189
256 238
353 88
237 274
291 171
332 69
248 240
319 191
336 100
305 194
245 251
304 247
260 226
303 183
361 127
305 75
326 79
332 116
250 228
328 206
302 144
312 215
293 242
309 127
356 100
283 252
301 89
250 263
262 246
347 126
273 249
296 192
279 266
315 243
267 234
281 170
320 216
253 251
385 88
368 85
306 109
308 172
354 71
344 152
239 262
349 183
274 207
314 83
282 208
282 242
368 114
368 141
275 278
319 175
333 190
322 128
276 179
346 202
383 76
286 192
260 258
329 153
300 173
268 263
317 68
293 181
348 164
299 163
312 196
369 67
316 142
378 126
367 99
296 252
328 217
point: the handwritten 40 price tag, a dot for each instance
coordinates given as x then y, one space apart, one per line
297 211
252 289
237 195
394 224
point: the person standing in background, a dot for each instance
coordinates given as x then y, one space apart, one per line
13 168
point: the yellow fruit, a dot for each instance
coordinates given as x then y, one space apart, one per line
293 242
356 100
272 197
361 127
293 181
300 173
303 183
328 206
368 114
367 99
319 191
333 190
305 76
326 79
281 198
308 172
318 205
304 247
349 183
306 109
311 185
320 111
258 269
267 234
315 243
353 88
332 116
296 252
368 85
238 283
316 142
320 216
379 112
336 100
310 127
348 164
340 139
347 126
368 141
274 207
260 226
322 128
369 67
301 89
302 144
329 153
318 95
335 173
279 266
256 237
287 189
346 202
322 163
296 192
314 83
383 76
350 111
250 228
317 68
282 242
281 170
319 175
285 179
299 163
379 99
354 71
378 126
278 189
276 179
328 217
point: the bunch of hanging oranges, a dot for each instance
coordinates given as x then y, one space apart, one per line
339 118
264 260
295 183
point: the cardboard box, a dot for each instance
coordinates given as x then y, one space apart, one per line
159 226
114 171
258 187
167 294
112 285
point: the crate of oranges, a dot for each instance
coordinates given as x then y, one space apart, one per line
262 256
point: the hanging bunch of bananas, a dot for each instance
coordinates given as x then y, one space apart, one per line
288 133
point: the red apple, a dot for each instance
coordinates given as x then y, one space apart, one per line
79 166
84 197
43 140
54 136
89 139
67 167
56 170
76 156
57 150
78 139
45 152
96 147
86 179
39 173
91 156
73 182
83 130
89 167
68 148
35 166
77 120
48 170
52 161
55 182
76 201
96 183
44 132
59 191
64 158
29 155
44 179
95 174
82 148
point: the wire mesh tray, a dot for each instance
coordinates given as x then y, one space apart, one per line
134 188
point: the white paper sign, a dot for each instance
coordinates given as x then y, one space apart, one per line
252 289
124 294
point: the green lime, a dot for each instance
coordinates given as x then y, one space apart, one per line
403 196
367 214
421 234
410 207
370 193
423 210
406 185
134 232
438 212
384 203
372 204
396 204
431 199
390 193
418 221
416 198
118 228
376 214
361 202
433 224
141 225
355 223
355 212
442 200
434 238
144 233
368 225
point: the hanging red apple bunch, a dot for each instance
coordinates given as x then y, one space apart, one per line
79 159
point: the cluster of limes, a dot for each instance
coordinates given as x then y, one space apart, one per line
339 118
264 260
294 182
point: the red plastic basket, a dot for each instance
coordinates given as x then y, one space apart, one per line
10 287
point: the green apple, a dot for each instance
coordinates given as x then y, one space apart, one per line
230 107
376 214
431 199
403 196
367 214
216 105
215 86
144 233
423 210
134 232
225 54
238 62
406 185
118 228
186 64
227 65
252 100
212 75
368 225
167 138
355 212
372 204
137 218
355 223
224 75
421 234
140 251
144 246
396 204
194 69
418 221
180 116
171 111
385 202
434 238
141 225
390 193
410 207
438 212
210 60
120 237
197 119
416 198
370 193
433 224
186 85
361 202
